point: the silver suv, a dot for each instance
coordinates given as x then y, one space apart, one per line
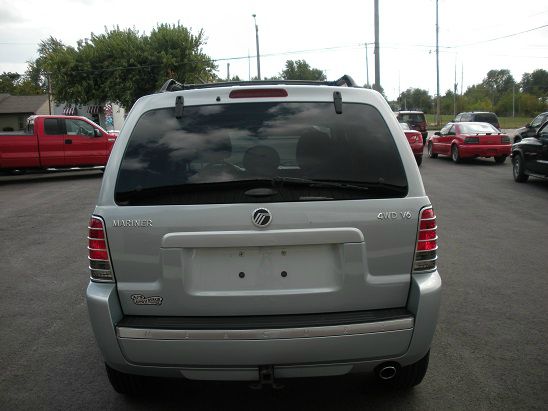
257 231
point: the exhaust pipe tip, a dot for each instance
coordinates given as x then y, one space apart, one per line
387 372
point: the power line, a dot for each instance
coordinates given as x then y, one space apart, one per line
502 37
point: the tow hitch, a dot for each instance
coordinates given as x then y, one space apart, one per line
266 377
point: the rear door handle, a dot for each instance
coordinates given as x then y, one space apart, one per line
68 141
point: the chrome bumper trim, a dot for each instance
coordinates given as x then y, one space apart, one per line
266 334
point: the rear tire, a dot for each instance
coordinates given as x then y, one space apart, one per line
409 376
431 153
419 160
518 170
123 383
500 159
455 156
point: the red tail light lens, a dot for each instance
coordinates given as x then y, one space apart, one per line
99 259
427 242
258 93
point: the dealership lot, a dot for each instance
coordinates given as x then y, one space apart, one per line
489 351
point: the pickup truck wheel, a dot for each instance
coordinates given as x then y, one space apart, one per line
455 156
409 376
518 169
500 159
431 153
125 383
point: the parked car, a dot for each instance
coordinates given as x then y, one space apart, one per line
530 156
415 141
478 116
469 140
416 121
55 141
263 230
530 129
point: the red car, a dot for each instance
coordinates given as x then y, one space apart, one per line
415 141
469 140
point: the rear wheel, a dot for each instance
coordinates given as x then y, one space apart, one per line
500 159
409 376
455 156
518 169
125 383
431 153
419 160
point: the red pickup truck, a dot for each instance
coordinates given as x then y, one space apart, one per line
55 141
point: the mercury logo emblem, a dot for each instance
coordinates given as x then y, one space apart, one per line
261 217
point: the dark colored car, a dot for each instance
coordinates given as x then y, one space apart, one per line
469 140
416 121
530 129
478 116
530 156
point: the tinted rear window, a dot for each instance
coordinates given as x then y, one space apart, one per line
52 126
232 153
486 117
411 118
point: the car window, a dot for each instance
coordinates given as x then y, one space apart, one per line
405 126
52 127
486 117
411 117
459 116
214 154
537 121
475 128
445 129
78 127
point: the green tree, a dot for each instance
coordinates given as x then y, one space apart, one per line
122 65
17 85
498 82
415 99
535 83
301 70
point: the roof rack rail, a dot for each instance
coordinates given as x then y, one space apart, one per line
173 85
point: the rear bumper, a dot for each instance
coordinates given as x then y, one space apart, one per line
236 354
491 150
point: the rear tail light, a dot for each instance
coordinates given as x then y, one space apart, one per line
99 258
504 140
258 93
471 140
426 252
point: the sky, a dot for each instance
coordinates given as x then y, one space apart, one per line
475 36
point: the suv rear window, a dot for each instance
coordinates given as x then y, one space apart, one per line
411 117
486 118
260 152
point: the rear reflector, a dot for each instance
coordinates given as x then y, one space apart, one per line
427 244
258 93
99 259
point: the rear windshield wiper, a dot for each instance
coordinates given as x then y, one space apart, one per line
318 183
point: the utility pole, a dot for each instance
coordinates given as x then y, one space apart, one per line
228 71
257 40
377 85
513 100
455 91
437 68
367 64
